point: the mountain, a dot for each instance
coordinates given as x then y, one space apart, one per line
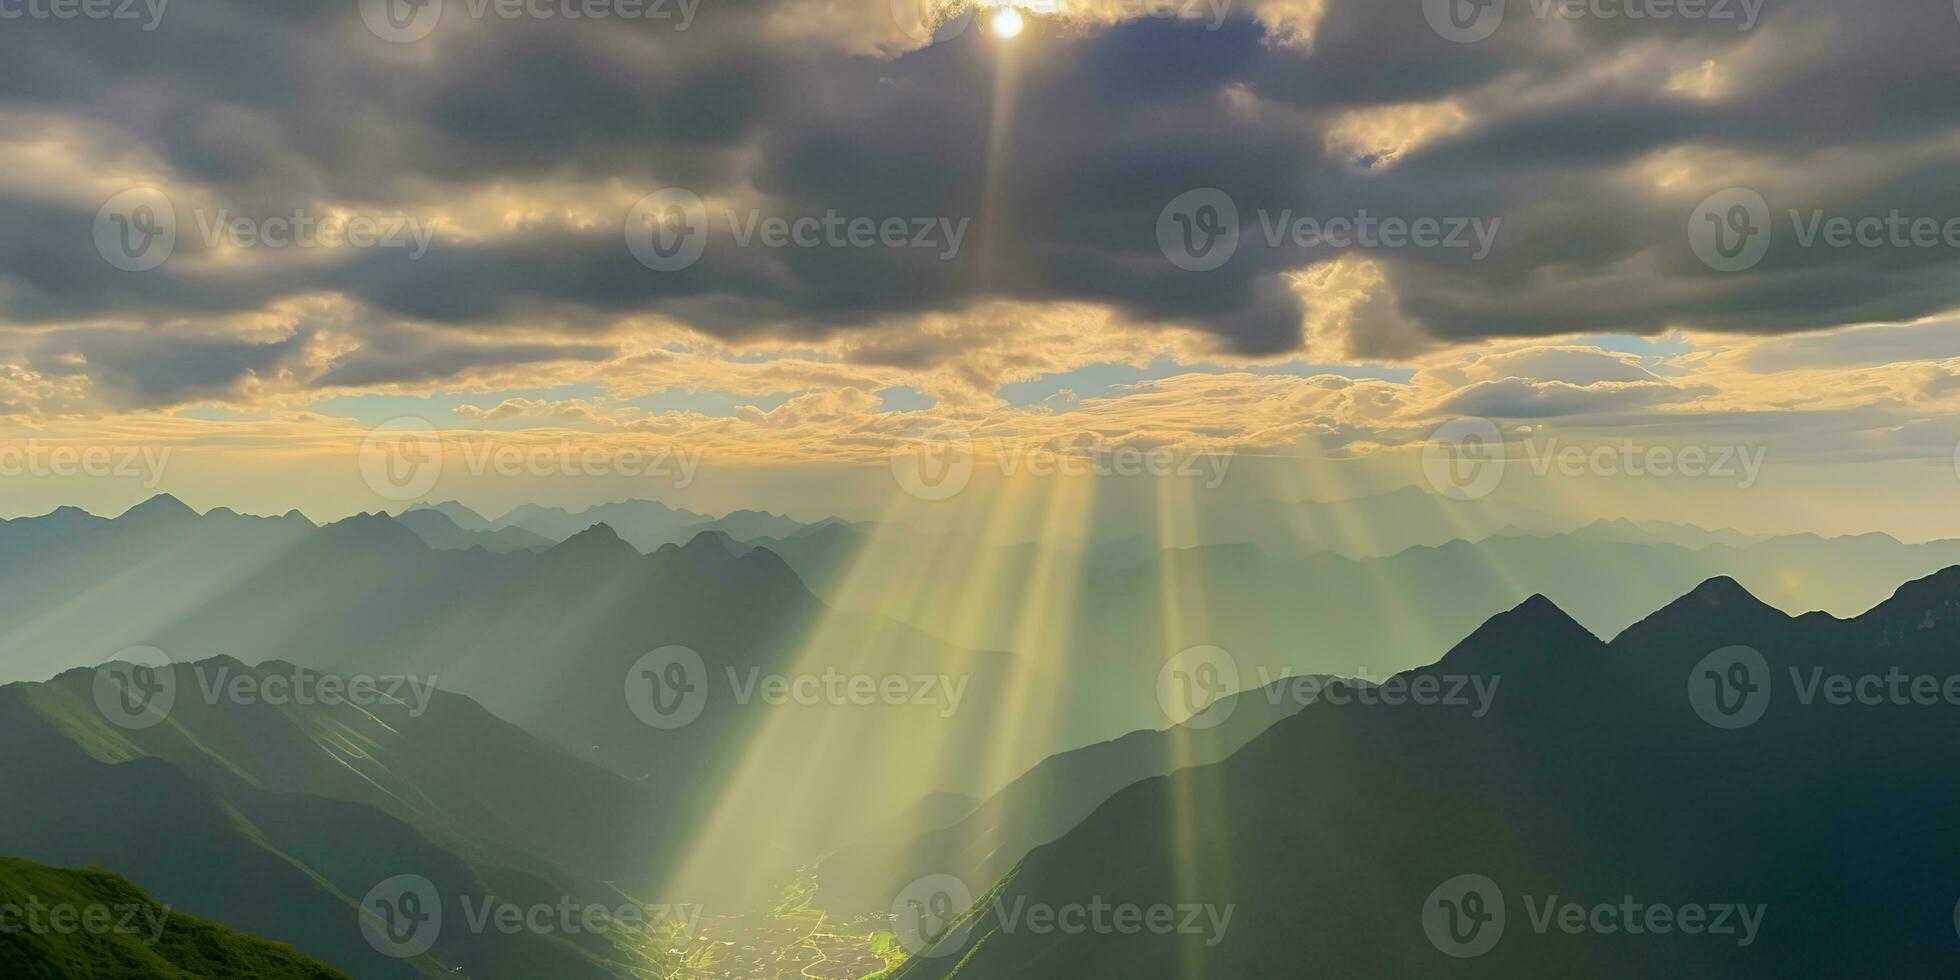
554 641
981 843
459 515
135 935
646 524
441 531
435 760
1321 613
1660 532
1592 794
288 865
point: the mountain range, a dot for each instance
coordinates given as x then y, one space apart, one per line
277 811
1606 783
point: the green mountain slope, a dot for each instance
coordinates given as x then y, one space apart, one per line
218 822
115 930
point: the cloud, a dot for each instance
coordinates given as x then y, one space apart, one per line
1577 134
1516 398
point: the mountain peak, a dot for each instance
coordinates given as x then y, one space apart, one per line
1719 611
716 543
459 515
1721 590
1534 632
596 541
162 505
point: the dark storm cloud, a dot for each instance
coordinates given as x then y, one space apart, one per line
148 369
268 106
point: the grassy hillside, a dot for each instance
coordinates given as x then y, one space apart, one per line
134 936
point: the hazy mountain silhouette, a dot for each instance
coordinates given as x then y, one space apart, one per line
1592 779
548 640
141 937
645 524
983 842
1321 613
440 530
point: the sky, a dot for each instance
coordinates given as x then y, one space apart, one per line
568 244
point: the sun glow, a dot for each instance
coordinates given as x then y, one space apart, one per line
1007 22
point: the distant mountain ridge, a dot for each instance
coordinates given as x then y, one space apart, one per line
645 524
548 640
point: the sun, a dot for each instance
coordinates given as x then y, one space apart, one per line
1007 22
